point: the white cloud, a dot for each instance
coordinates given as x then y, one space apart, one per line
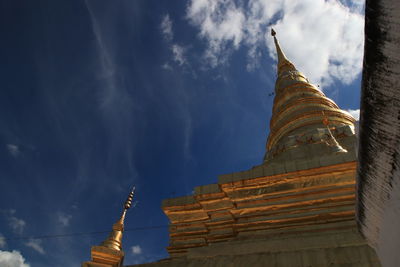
136 250
221 23
36 244
12 259
166 28
178 53
355 113
13 149
328 40
324 39
16 224
63 218
2 241
166 66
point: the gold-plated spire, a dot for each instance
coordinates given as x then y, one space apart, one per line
283 62
110 253
114 240
299 110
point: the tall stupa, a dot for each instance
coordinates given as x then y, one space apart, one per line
109 253
296 209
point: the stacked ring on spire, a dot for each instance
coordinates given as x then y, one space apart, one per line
299 106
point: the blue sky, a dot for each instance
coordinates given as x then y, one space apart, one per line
99 95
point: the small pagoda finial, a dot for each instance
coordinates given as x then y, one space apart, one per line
114 240
128 201
110 253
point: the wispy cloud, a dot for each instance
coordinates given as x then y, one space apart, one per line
178 51
166 28
64 219
166 66
136 250
179 54
36 244
13 149
12 259
325 37
15 223
115 101
355 113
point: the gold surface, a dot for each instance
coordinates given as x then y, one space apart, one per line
308 197
109 253
319 196
298 104
283 63
114 241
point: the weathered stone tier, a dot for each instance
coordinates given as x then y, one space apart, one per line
341 246
320 196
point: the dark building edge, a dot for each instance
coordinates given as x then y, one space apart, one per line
380 112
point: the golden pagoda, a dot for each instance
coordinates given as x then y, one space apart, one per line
297 208
109 253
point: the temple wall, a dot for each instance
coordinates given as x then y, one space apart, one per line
334 248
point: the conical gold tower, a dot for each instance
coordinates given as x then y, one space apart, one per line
296 208
109 253
299 111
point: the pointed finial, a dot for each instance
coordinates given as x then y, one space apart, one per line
128 201
283 62
114 240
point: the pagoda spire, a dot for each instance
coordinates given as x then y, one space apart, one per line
114 240
299 111
283 62
109 253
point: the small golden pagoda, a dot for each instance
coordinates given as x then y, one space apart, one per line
109 253
297 208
